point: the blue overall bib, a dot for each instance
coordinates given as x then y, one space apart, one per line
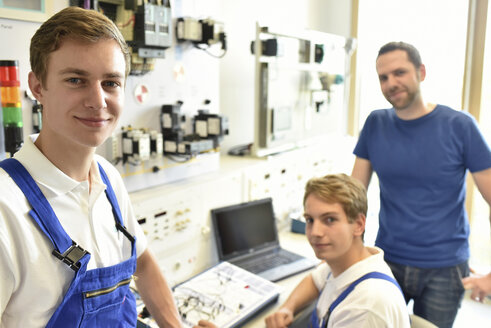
314 319
96 298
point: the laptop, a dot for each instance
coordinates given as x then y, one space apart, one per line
246 236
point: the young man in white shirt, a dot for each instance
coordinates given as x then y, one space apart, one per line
354 287
69 242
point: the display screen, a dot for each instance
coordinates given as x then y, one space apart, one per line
245 227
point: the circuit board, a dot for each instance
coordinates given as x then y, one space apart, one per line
225 295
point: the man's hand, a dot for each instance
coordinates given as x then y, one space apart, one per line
205 324
280 319
481 286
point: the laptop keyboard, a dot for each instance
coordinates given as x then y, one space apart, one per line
270 261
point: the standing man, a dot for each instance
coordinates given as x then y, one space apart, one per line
69 242
421 153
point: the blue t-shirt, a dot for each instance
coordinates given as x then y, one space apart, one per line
421 165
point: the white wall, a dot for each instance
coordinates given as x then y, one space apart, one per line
330 16
199 82
237 67
227 82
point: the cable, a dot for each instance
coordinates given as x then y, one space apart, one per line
210 53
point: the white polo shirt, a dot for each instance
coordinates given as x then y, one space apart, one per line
33 281
373 303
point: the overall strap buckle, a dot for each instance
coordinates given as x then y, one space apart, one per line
71 256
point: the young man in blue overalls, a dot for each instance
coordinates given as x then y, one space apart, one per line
69 242
354 287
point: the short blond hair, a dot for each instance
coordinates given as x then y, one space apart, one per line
74 23
340 188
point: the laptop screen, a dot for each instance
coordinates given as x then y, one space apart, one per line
243 228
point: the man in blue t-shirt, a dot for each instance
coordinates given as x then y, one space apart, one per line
421 153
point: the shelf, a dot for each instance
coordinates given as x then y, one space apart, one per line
277 61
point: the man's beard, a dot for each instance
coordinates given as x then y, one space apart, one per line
406 102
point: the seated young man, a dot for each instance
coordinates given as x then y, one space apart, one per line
335 212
